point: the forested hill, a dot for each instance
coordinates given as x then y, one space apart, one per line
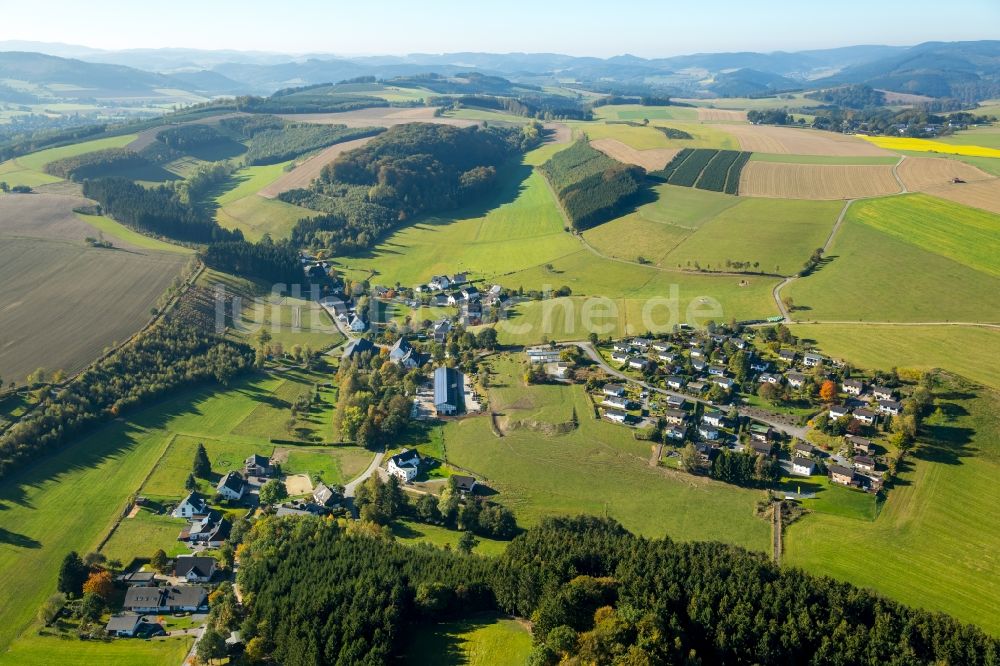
322 592
409 170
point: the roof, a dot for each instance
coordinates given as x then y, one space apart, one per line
853 382
359 346
864 413
863 460
300 508
195 499
233 481
406 458
802 462
463 483
201 566
143 597
843 471
855 439
259 460
447 386
804 446
126 622
140 577
325 495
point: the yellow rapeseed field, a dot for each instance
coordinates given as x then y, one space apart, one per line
927 145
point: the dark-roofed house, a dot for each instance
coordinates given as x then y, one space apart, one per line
865 416
890 407
706 452
441 330
124 625
803 466
403 354
786 355
211 530
803 449
194 568
841 475
812 360
675 432
405 465
860 444
191 506
165 599
257 465
864 463
357 347
795 379
763 448
464 484
141 578
676 402
619 402
615 415
616 390
300 508
676 383
232 486
449 391
853 386
326 497
883 392
675 416
839 411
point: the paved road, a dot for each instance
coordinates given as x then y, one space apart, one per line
189 658
353 484
772 420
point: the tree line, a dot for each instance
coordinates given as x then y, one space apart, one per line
328 592
95 164
168 355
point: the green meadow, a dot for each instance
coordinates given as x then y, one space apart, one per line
37 161
872 275
637 112
34 650
485 640
936 541
109 227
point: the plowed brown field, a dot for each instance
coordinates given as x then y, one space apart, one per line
722 115
984 194
650 160
816 181
794 141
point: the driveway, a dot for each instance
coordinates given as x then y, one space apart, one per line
351 486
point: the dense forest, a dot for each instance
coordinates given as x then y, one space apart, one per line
346 593
273 262
409 170
188 136
303 102
542 107
168 355
851 97
270 146
157 210
592 187
95 164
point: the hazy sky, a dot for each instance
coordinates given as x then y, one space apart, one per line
582 27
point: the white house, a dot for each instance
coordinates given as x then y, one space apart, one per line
405 465
717 371
616 390
357 324
890 407
864 464
662 346
667 357
812 360
803 466
675 432
195 569
766 378
124 625
713 418
795 379
622 346
853 387
675 402
619 357
725 382
708 433
676 383
883 393
232 486
615 415
675 416
616 401
865 416
439 282
638 363
191 506
839 411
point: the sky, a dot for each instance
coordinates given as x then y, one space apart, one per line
647 28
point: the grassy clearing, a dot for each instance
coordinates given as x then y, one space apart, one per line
484 641
255 216
414 532
595 468
336 465
35 650
966 235
935 540
823 159
116 230
876 277
919 347
142 535
37 161
832 499
13 174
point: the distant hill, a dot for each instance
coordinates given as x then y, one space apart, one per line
751 82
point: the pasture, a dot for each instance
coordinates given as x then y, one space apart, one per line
870 275
918 347
639 113
13 174
816 181
648 138
485 640
410 531
34 650
965 235
988 137
596 468
936 541
70 500
37 161
64 301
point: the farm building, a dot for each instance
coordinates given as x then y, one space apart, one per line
449 391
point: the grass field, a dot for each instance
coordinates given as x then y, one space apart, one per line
13 174
483 641
33 650
920 347
255 216
966 235
874 276
151 451
824 159
597 468
64 301
638 113
414 532
932 146
37 161
988 137
647 138
935 541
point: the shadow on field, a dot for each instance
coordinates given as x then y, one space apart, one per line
18 540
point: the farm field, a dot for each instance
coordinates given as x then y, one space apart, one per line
983 194
307 171
918 347
52 279
37 161
721 115
650 160
816 181
486 640
941 512
380 116
596 468
795 141
988 137
101 471
33 650
968 236
13 174
648 138
116 231
923 173
638 112
779 235
255 216
748 103
930 145
784 158
873 276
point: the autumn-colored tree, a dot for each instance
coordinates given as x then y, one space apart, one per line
100 583
828 391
